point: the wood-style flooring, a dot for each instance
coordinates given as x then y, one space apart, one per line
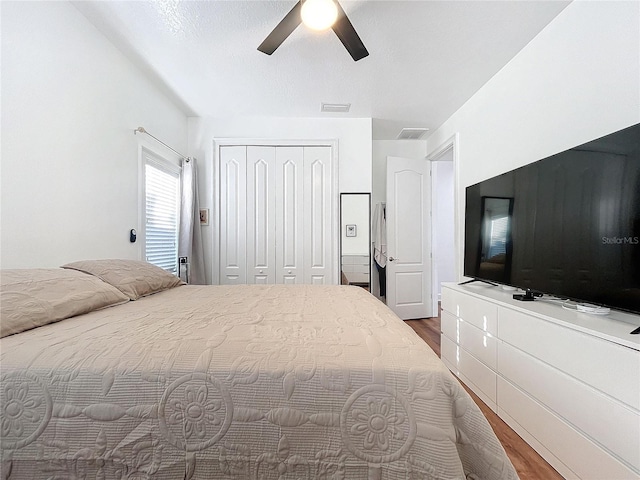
527 462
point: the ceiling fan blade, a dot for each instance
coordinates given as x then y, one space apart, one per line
348 36
279 34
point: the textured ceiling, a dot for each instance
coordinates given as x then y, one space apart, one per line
426 57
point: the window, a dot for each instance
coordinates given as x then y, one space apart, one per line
161 212
498 243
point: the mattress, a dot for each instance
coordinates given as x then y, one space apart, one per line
238 382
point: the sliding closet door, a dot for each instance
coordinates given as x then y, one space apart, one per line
261 224
233 215
318 231
289 215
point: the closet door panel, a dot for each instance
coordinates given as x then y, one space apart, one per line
233 218
289 214
261 251
317 214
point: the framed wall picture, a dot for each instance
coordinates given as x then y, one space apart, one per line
352 231
204 216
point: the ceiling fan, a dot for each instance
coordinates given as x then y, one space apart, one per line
302 12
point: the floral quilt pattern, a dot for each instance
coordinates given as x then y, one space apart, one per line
238 382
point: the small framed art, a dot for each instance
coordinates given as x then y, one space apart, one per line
204 216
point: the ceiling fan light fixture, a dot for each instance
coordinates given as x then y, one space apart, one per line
319 14
305 11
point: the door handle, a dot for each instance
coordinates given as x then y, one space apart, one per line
391 259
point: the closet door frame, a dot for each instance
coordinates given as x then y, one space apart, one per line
219 143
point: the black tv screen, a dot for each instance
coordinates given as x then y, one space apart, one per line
567 225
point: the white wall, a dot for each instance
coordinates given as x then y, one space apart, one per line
354 210
576 81
70 103
391 148
443 222
354 150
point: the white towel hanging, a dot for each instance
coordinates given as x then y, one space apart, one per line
379 239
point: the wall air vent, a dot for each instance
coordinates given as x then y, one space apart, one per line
335 107
412 133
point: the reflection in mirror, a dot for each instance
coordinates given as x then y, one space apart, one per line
355 247
495 247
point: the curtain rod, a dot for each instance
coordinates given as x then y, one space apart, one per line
142 130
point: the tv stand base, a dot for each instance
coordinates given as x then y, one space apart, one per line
479 280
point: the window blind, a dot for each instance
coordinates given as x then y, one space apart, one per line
162 203
499 228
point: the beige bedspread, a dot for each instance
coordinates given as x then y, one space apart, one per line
238 382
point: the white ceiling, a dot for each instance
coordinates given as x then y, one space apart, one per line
426 57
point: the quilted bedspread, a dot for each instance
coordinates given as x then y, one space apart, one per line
238 382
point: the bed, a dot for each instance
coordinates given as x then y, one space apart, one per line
229 382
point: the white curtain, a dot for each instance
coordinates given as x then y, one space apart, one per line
190 236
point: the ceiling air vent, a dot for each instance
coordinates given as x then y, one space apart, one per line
412 133
335 107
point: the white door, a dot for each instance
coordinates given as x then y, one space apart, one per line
318 217
408 219
289 215
261 227
233 215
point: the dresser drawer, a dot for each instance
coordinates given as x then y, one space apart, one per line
449 354
606 366
561 444
612 424
449 326
478 343
480 378
477 312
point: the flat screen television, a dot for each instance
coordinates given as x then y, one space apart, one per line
567 225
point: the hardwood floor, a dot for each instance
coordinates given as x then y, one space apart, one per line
527 462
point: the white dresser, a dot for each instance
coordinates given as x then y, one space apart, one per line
355 269
568 383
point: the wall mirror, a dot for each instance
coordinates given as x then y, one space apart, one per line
495 239
355 240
